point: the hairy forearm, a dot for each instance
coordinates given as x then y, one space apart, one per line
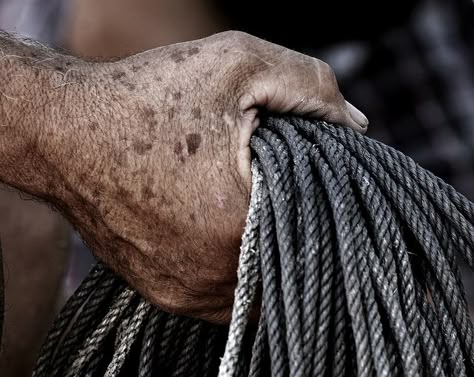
51 106
34 86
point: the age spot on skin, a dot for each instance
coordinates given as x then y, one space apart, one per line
178 148
141 148
93 126
178 57
152 126
193 141
130 86
178 151
117 75
123 193
147 193
193 51
196 113
149 113
171 113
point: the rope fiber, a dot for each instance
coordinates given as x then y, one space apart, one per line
354 248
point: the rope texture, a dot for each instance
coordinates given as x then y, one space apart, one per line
354 248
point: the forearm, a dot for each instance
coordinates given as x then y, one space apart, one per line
33 90
50 104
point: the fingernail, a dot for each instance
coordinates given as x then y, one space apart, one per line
357 115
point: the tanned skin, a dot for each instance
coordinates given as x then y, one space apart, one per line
148 156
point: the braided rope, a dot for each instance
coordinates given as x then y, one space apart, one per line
354 247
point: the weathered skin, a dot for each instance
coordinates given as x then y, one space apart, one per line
148 157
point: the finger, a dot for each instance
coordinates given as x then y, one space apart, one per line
357 116
248 123
346 114
332 105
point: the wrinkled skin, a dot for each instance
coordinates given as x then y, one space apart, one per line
149 157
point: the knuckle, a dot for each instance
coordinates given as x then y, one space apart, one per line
323 110
237 37
328 73
327 70
328 84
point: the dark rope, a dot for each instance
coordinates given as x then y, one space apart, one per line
354 247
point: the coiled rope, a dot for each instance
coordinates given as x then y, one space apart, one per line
354 247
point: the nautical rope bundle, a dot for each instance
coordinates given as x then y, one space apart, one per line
354 247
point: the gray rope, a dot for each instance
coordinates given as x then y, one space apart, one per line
353 247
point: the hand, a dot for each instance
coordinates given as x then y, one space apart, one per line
153 164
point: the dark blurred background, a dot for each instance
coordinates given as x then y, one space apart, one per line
408 65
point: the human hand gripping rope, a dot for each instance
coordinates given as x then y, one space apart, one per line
354 246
